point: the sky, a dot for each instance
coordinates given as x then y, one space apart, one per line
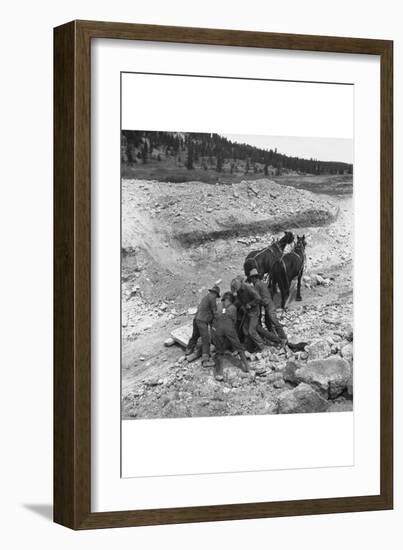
336 149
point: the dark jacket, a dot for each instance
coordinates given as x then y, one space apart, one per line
207 308
263 291
228 318
248 296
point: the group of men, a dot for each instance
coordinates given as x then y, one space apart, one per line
241 309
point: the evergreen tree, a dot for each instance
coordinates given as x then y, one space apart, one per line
214 149
189 160
144 152
219 162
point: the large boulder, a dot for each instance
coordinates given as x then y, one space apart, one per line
320 349
302 399
330 377
347 352
182 334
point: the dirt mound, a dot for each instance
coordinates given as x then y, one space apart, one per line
196 212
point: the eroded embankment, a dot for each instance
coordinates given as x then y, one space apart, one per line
192 213
308 218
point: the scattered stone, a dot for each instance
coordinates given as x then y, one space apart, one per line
331 321
328 376
347 352
270 407
274 376
302 399
134 291
318 350
260 371
289 371
153 382
169 342
348 332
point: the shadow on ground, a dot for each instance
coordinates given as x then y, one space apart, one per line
44 510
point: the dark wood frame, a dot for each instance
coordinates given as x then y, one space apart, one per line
72 320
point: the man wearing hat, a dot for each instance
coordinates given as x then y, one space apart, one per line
225 335
269 307
250 301
204 317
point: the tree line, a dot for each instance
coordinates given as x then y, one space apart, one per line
205 149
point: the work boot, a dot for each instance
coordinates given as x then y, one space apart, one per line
207 361
189 351
218 370
244 362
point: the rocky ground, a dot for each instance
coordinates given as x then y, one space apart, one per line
177 240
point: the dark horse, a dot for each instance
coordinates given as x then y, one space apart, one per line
288 267
263 260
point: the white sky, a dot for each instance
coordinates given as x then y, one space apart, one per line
336 149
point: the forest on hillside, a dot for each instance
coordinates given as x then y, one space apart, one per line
209 151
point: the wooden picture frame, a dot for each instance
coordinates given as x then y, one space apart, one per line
72 270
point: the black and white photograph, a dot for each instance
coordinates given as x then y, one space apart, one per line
199 261
236 274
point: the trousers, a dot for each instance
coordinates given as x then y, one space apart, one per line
200 330
272 321
251 328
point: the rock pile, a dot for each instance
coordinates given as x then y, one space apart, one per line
198 211
279 382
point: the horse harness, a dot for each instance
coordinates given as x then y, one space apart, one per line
264 250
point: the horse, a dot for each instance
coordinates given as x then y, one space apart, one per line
288 267
263 260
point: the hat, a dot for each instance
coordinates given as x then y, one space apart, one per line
215 289
236 284
253 272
